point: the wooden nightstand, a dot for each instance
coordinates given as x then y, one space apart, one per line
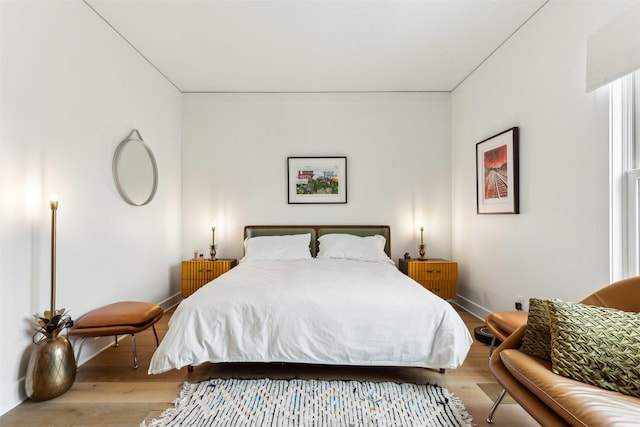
437 275
196 274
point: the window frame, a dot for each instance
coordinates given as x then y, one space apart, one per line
624 177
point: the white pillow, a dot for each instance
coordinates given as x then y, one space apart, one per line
348 246
277 248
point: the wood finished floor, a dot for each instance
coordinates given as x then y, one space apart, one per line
109 392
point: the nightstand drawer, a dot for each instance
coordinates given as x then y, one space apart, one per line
433 271
196 274
436 275
198 271
444 289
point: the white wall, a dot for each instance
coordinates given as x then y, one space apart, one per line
235 149
558 246
71 90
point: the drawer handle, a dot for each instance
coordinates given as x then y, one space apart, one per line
434 271
205 271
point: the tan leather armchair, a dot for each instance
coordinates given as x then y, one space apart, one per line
581 404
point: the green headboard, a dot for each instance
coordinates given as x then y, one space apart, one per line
318 230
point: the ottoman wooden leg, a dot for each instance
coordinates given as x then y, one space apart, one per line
135 352
156 335
79 352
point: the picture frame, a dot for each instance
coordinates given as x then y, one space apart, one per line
497 170
314 180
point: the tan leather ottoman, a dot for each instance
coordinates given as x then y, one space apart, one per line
126 317
503 323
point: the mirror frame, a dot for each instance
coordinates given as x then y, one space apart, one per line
116 167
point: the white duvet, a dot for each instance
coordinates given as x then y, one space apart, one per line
318 311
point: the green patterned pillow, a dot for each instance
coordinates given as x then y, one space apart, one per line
595 345
537 337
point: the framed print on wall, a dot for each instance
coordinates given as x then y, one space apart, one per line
497 173
317 180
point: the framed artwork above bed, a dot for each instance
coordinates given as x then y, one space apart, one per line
317 180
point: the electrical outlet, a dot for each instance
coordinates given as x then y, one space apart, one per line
519 302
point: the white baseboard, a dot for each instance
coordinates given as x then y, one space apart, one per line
473 308
170 302
11 396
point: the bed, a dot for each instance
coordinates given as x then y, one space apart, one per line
326 295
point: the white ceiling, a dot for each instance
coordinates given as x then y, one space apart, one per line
315 46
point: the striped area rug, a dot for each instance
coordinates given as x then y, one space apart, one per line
267 402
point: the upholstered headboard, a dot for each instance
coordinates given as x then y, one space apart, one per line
319 230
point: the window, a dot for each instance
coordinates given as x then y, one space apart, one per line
625 176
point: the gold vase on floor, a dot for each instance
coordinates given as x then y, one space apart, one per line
51 370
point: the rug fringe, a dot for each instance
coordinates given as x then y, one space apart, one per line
186 390
459 405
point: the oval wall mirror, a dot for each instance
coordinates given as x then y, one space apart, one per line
135 171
